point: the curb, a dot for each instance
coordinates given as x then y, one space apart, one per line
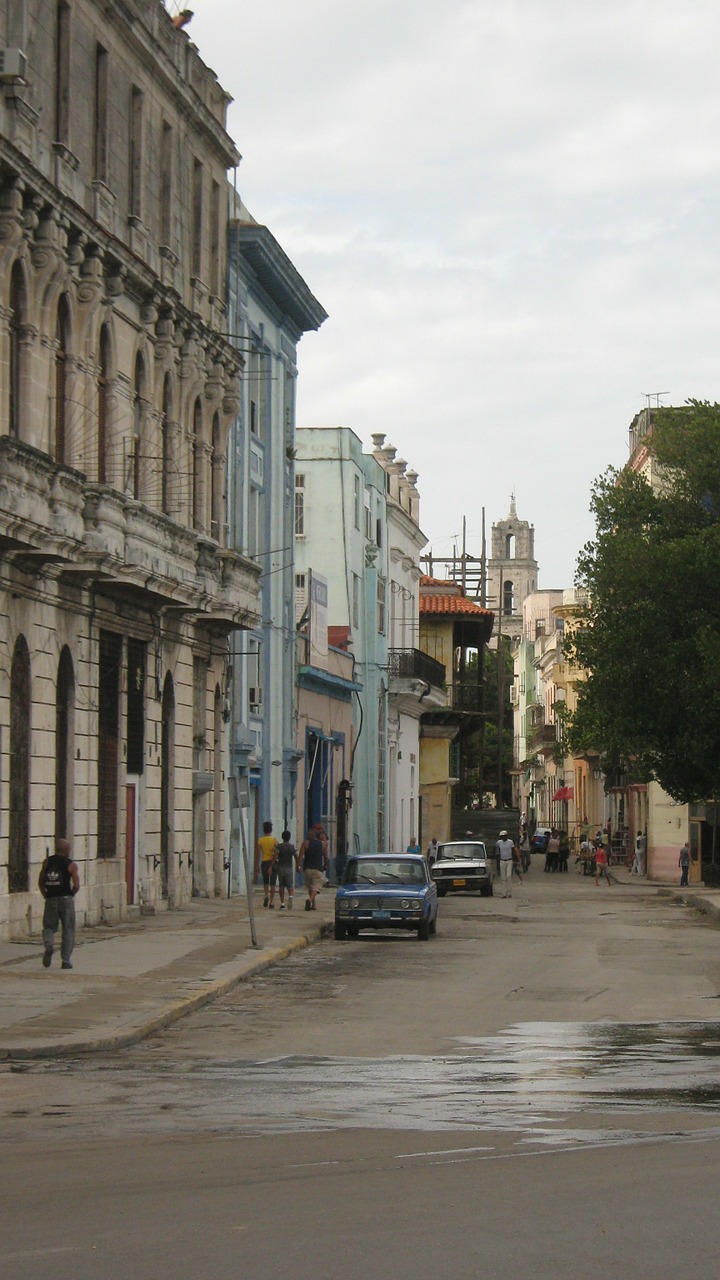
172 1013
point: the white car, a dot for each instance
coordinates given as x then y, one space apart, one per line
463 864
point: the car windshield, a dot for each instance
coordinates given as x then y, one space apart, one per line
462 850
385 871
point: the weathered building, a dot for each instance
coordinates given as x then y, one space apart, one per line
118 386
271 307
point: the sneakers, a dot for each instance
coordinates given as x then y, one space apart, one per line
47 957
271 906
282 906
290 902
265 902
308 905
66 965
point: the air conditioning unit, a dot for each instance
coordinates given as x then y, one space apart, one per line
255 695
13 64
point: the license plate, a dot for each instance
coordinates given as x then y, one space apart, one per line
381 917
458 884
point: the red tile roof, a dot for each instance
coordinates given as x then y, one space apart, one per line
452 605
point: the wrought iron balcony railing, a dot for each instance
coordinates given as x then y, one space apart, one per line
413 664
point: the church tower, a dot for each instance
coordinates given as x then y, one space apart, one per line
511 573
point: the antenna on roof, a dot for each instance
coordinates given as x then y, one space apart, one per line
653 398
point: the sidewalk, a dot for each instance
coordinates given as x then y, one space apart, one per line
129 980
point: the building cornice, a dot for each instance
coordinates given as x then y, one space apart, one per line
273 272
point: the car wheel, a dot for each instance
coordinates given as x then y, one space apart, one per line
433 926
340 931
424 930
442 890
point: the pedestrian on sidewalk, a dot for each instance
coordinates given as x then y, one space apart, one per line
601 863
312 861
58 883
284 870
684 865
506 852
432 851
413 846
267 849
638 866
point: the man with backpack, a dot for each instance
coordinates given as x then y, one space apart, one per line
58 883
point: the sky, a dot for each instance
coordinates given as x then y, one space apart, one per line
509 209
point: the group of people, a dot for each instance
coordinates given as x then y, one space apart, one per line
557 851
278 861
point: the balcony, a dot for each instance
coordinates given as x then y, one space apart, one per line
542 738
413 664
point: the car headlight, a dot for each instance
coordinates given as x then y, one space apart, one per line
405 903
415 904
343 905
354 902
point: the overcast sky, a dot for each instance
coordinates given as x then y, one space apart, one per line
509 209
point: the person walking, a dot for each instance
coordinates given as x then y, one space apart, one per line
601 863
284 870
58 883
684 865
312 861
432 851
267 849
525 849
506 852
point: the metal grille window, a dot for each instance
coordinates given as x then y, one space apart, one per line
136 706
108 742
299 506
20 708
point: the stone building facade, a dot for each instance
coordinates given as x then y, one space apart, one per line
118 386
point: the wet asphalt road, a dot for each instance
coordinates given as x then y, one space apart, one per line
536 1086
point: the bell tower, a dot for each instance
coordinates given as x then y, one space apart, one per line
511 573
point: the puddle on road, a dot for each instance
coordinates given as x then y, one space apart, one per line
527 1079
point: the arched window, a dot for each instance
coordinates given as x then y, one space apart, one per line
102 404
508 601
167 460
64 749
19 826
216 498
138 420
18 312
62 343
198 495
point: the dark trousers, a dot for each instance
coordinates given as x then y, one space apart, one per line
59 911
684 876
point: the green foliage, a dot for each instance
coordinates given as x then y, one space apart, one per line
650 637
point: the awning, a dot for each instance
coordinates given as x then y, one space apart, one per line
564 793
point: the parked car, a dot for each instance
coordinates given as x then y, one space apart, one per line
463 864
386 891
539 839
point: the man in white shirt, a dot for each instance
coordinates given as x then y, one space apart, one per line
506 852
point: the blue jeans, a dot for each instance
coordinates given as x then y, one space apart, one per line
59 911
684 877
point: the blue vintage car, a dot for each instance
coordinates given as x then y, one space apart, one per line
386 891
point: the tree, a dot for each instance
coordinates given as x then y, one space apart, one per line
649 637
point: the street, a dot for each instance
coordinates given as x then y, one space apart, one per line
536 1087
